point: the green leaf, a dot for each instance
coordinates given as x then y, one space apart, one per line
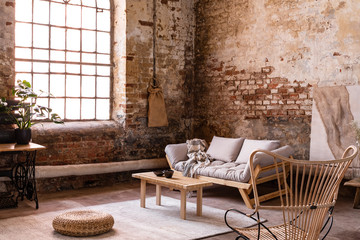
26 83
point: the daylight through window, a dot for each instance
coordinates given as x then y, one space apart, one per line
63 47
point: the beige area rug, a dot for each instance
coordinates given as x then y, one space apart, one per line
131 222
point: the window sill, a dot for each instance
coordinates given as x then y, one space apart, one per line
75 126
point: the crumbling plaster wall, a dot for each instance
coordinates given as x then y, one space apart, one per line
257 61
126 136
175 27
7 15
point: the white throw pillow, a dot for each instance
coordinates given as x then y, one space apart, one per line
225 149
251 145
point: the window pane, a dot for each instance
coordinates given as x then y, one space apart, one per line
23 76
57 105
89 18
73 16
41 36
42 102
41 11
57 85
103 20
23 34
57 55
73 57
88 109
103 42
22 66
57 25
73 40
103 87
102 108
103 58
72 86
88 41
22 53
72 68
40 67
90 3
23 10
104 71
88 57
40 82
103 4
57 14
88 69
88 86
41 54
57 67
72 108
57 38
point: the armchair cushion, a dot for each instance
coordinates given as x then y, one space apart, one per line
225 149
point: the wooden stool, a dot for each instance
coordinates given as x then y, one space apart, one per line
83 223
355 183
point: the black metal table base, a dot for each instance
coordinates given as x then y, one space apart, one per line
23 177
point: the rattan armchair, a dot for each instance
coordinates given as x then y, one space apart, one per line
311 189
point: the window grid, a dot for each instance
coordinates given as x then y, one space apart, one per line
67 62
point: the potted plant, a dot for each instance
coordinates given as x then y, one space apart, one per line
26 110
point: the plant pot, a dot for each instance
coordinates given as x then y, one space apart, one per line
22 136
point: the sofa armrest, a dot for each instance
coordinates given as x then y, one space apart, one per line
262 159
176 153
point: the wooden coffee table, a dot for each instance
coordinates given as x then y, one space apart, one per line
179 182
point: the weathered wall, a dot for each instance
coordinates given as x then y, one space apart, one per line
126 136
256 63
174 57
7 24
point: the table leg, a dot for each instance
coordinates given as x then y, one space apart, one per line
199 202
158 194
357 198
142 193
183 204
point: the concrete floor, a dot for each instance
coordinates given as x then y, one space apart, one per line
346 219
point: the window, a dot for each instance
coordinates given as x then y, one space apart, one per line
63 47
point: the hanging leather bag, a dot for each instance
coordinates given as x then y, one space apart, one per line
157 116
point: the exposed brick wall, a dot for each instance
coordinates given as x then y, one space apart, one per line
255 105
78 143
273 97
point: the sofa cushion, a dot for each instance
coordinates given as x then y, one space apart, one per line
251 145
237 172
225 149
176 152
218 169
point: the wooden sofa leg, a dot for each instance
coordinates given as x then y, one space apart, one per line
246 198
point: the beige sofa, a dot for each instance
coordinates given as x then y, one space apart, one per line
230 166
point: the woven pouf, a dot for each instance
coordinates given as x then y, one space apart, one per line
83 223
